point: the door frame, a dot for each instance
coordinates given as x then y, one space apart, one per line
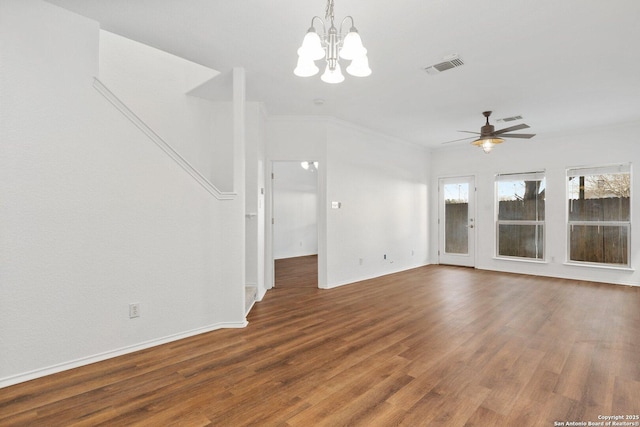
320 223
469 259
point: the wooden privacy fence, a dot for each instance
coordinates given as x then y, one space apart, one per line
603 243
456 221
590 242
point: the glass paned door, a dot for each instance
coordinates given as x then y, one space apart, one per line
456 219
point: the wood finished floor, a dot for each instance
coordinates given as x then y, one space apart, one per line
297 272
433 346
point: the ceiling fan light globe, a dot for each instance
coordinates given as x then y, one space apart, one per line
487 146
311 46
352 46
485 140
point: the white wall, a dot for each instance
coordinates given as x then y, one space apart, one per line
155 85
554 154
295 196
382 185
94 215
255 197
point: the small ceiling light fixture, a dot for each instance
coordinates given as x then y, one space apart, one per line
488 138
331 46
309 166
487 143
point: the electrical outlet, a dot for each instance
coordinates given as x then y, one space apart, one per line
134 310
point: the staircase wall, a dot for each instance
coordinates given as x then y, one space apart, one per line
95 216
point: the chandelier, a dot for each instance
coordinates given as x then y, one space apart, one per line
332 46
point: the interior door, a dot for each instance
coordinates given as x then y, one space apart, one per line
456 221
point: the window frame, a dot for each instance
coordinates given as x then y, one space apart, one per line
539 175
623 168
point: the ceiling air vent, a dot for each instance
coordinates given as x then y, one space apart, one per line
451 61
510 119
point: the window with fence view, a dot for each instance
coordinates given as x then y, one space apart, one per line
520 215
599 219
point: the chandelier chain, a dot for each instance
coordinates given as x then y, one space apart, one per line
329 11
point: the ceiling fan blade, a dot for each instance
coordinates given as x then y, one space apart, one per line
456 140
517 135
468 131
511 129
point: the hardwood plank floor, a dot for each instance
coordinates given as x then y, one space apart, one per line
433 346
297 272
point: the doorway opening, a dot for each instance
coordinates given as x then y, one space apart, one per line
295 223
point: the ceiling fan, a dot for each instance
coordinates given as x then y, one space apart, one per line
489 137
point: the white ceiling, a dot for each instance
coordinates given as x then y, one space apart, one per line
561 64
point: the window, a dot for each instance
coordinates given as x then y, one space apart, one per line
520 215
599 218
456 218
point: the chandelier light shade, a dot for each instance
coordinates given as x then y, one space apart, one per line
332 75
352 46
332 46
311 46
306 67
359 67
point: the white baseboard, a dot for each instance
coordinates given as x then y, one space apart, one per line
261 293
250 307
38 373
374 276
